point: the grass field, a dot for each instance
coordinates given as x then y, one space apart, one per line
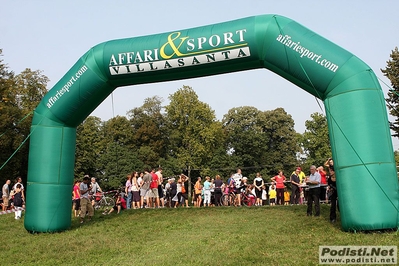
279 235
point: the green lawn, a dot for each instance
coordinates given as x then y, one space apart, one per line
279 235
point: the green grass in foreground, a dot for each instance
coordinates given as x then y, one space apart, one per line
279 235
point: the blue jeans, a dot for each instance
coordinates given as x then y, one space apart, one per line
129 200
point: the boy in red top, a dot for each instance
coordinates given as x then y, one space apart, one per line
154 196
280 180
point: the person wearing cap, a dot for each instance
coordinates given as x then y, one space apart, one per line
295 186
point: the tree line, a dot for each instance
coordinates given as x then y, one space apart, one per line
181 137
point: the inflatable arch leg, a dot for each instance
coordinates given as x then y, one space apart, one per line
355 107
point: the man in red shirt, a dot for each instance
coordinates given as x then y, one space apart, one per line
154 196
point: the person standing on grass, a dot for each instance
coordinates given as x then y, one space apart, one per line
184 192
272 195
18 201
258 183
218 189
160 187
135 192
332 191
173 192
313 181
295 186
95 188
85 204
323 183
178 196
264 195
207 192
197 193
76 198
18 181
128 191
280 180
145 187
237 177
5 191
154 189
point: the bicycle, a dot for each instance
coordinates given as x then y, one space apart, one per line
228 199
247 200
105 203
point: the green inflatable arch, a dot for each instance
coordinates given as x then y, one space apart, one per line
355 107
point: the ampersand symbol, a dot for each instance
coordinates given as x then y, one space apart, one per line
171 43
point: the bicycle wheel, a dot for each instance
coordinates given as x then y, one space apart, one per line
224 200
227 200
245 201
106 203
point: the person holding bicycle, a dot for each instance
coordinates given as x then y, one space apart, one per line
95 191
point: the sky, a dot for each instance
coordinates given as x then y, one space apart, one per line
52 35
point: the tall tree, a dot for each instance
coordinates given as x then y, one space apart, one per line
246 139
195 134
19 95
282 145
261 141
150 135
9 115
89 141
315 140
29 91
392 73
117 158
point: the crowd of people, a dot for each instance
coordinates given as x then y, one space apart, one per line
147 190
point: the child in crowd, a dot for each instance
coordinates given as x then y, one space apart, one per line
286 196
302 196
272 195
264 195
249 192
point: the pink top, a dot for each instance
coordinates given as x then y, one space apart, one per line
279 181
76 192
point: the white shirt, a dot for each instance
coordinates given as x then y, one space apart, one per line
315 177
237 179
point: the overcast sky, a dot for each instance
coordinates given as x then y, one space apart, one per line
52 35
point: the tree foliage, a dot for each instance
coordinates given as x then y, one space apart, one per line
392 73
150 135
261 141
316 142
19 95
194 133
89 141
